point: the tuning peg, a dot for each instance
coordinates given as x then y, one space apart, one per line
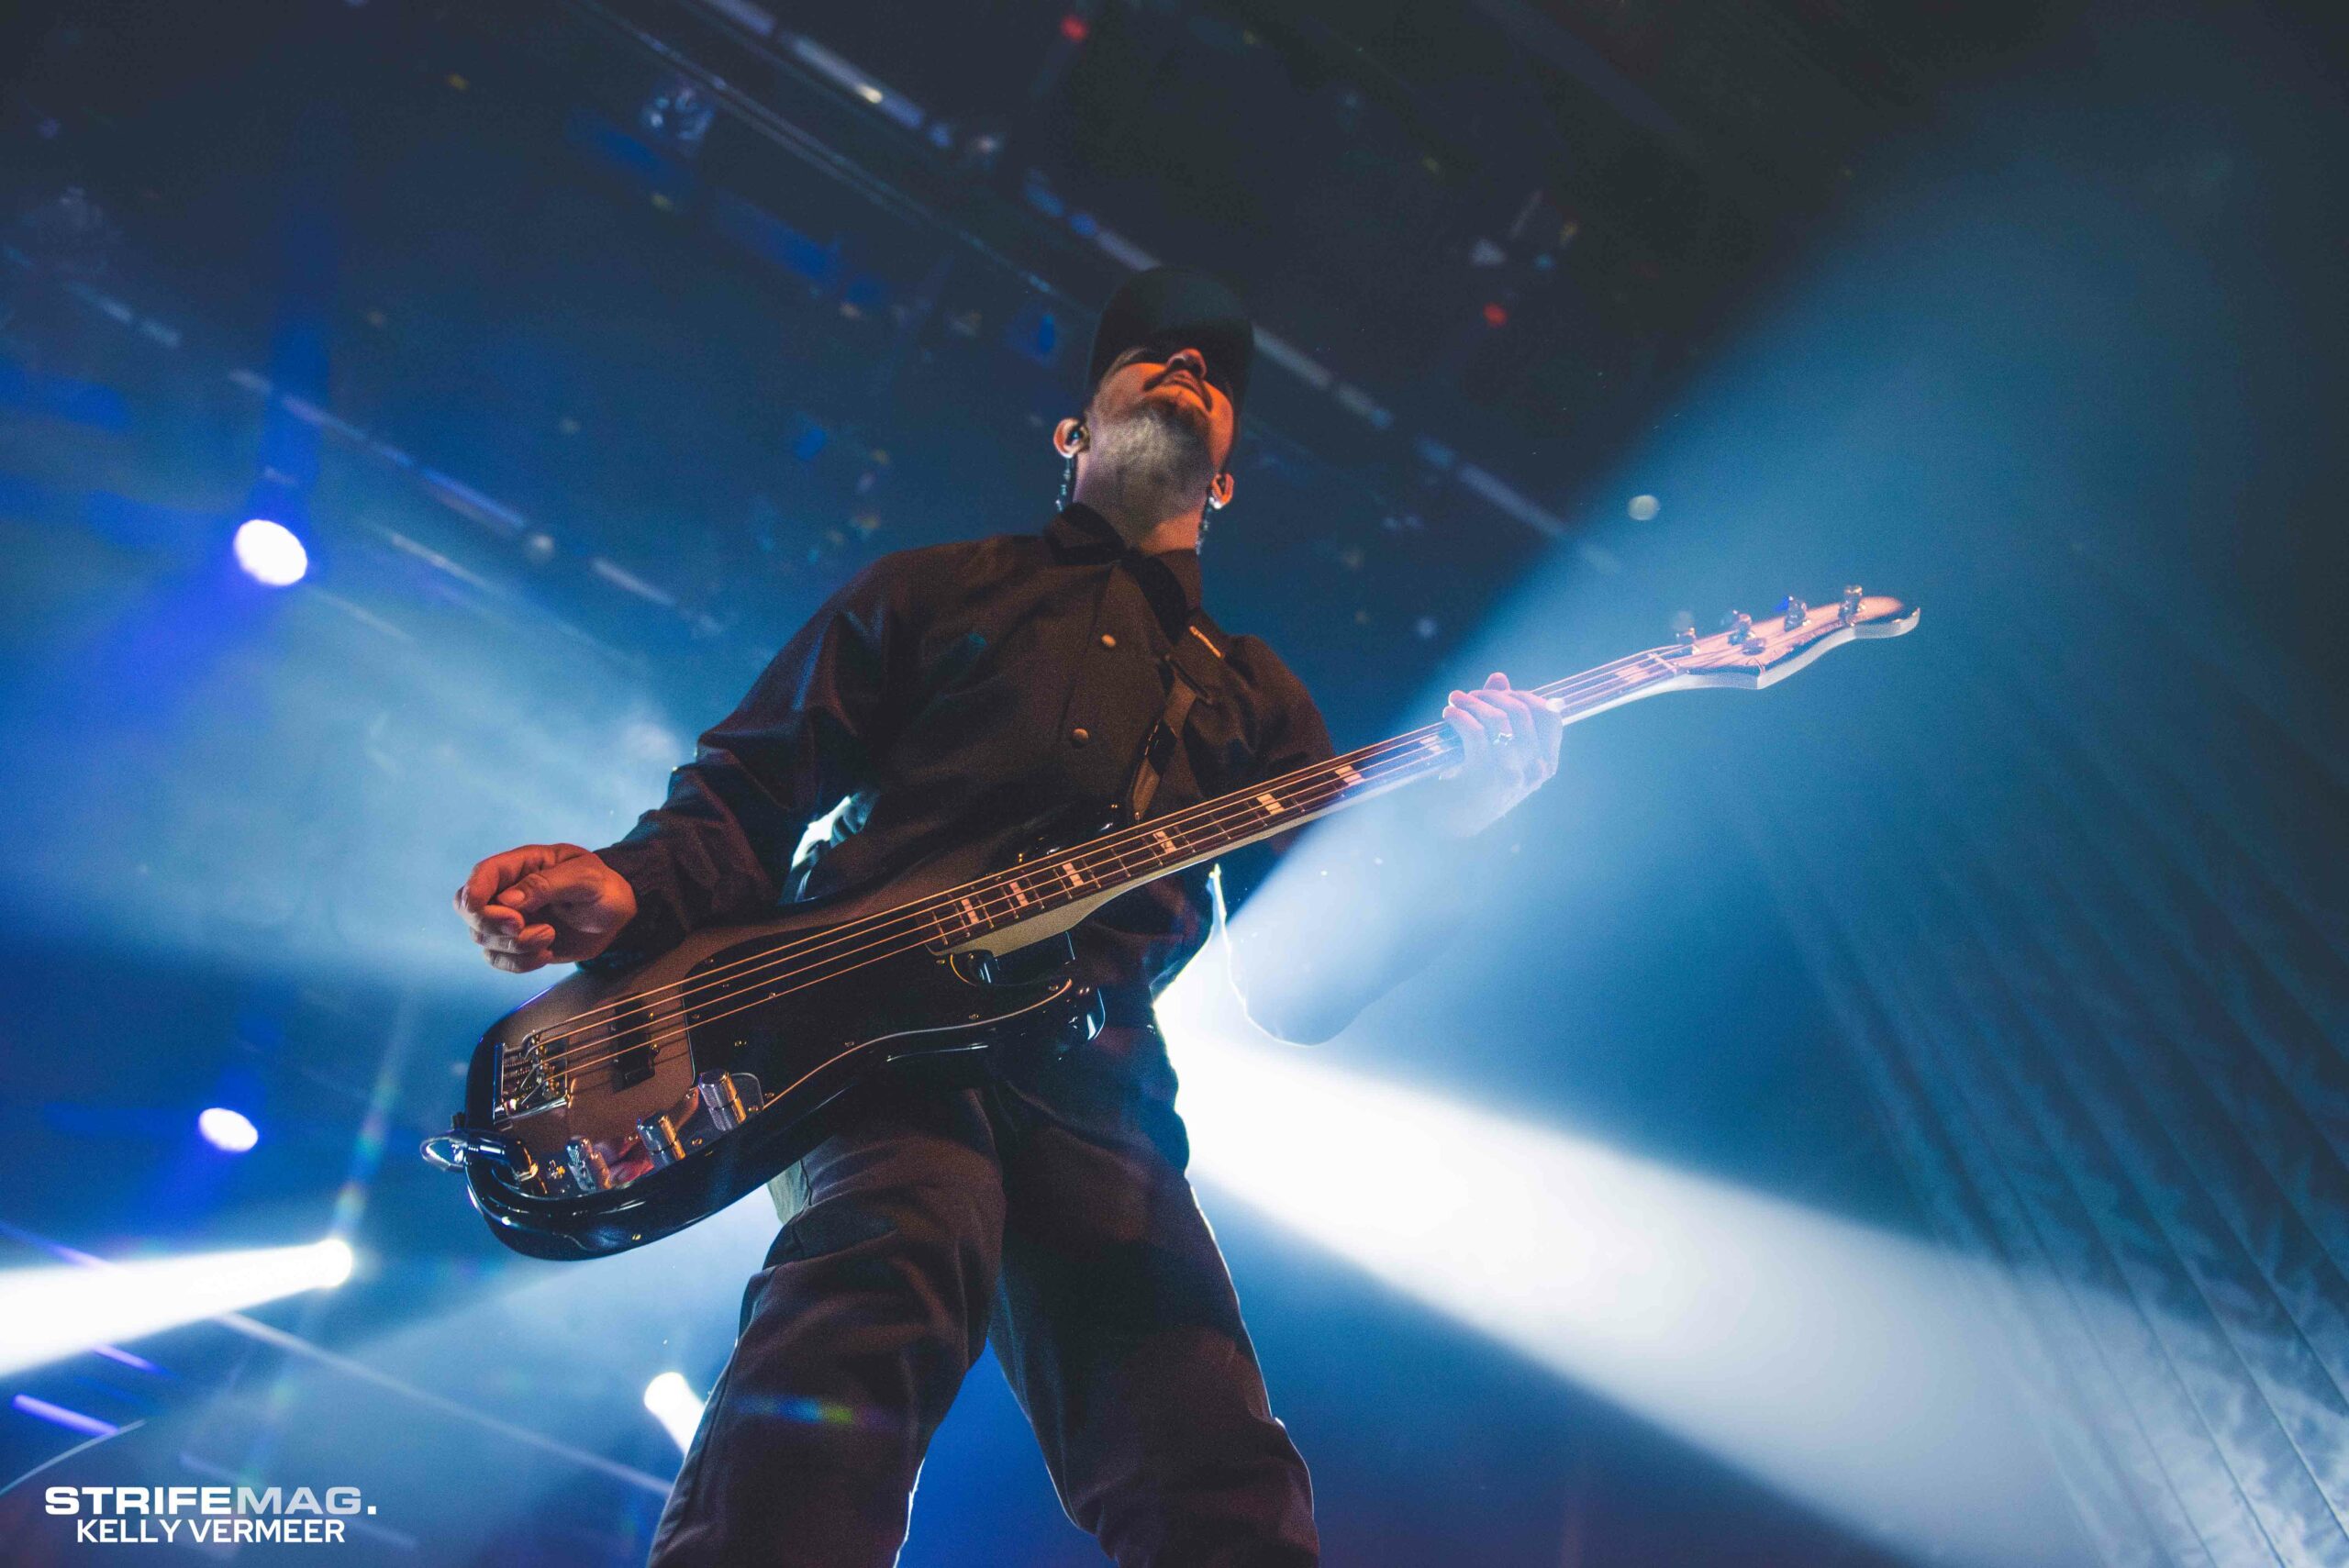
1739 624
1850 604
1685 643
1797 612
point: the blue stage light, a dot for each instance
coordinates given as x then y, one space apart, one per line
270 554
674 1404
59 1416
231 1132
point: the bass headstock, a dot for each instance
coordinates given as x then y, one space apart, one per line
1752 652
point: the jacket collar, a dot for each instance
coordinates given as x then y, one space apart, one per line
1169 579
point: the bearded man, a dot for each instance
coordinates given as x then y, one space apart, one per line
949 694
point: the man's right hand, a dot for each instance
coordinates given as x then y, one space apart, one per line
544 903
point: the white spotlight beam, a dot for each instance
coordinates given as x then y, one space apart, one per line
675 1405
1848 1367
49 1313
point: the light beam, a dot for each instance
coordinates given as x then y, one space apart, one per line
49 1313
1847 1366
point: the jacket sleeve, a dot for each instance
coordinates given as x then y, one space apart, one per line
1362 899
721 846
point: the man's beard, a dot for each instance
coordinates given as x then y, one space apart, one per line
1155 461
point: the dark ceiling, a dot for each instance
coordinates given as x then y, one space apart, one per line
712 299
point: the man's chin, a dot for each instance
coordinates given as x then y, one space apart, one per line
1157 449
1178 412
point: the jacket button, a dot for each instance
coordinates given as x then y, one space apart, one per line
1079 735
1109 640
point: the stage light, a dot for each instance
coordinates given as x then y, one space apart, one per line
1837 1362
1642 507
49 1313
674 1405
270 554
1496 314
229 1131
59 1416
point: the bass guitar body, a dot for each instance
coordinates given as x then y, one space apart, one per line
615 1108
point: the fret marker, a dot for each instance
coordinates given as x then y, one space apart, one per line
1272 807
1076 882
1019 895
970 912
1347 774
1165 844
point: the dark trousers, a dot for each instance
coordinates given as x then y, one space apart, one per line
1047 1211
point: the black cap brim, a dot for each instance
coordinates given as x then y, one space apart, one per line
1174 307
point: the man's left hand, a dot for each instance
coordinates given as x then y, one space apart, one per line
1510 748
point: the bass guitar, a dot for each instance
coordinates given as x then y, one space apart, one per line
617 1106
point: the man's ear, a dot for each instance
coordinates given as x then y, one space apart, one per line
1068 437
1219 491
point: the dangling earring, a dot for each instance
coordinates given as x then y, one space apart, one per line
1206 515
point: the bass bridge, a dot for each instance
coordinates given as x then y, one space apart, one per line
525 1083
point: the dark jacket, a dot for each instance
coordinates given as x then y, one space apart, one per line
959 694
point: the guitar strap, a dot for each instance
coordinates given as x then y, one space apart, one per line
1190 671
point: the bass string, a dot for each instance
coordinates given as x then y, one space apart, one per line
929 918
932 919
946 900
754 966
934 912
1413 743
941 903
802 978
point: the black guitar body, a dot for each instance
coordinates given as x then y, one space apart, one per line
617 1106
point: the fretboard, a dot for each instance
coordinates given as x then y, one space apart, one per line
1131 856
